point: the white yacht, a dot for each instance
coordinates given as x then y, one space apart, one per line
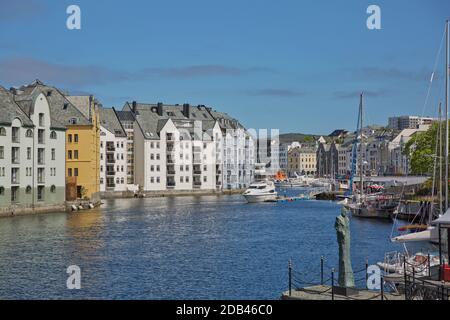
262 191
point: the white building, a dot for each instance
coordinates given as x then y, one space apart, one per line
409 122
188 148
113 153
32 155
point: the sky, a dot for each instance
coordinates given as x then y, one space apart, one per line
296 66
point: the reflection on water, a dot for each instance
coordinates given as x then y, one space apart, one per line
205 247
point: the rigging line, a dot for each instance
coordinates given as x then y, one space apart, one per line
436 61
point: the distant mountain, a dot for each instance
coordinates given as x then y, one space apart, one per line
299 137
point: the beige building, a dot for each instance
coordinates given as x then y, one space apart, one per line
302 161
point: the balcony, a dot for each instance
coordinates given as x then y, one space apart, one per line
170 172
197 150
111 173
171 185
170 160
110 150
110 186
170 137
197 160
197 184
110 160
41 180
15 160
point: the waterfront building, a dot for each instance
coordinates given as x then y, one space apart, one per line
327 160
284 153
399 163
302 161
409 122
188 148
32 162
113 153
79 114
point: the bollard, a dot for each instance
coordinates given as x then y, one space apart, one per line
290 277
332 284
429 265
321 270
382 287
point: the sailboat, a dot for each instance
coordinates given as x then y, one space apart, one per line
364 205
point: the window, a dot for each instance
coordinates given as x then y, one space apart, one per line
152 145
15 134
53 154
122 181
15 175
41 175
69 172
75 138
158 180
75 172
41 156
152 156
41 119
152 180
2 191
40 193
2 152
29 133
73 121
15 155
152 168
204 178
14 194
69 138
158 157
158 168
75 154
69 154
2 132
157 145
28 190
41 139
181 179
53 135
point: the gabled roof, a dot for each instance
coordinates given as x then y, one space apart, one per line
151 118
110 121
62 111
10 110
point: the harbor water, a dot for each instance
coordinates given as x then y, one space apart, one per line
204 247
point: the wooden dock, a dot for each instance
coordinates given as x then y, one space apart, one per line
323 292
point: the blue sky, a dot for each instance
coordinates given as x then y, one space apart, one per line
293 65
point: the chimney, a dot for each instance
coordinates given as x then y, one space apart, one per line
91 100
187 110
160 109
134 105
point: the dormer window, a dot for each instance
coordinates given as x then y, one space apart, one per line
73 121
2 131
170 114
53 135
49 93
41 119
65 106
29 133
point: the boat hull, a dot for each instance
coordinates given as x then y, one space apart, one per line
261 198
368 213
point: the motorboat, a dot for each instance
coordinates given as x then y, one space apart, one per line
262 191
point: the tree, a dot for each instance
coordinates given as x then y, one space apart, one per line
421 150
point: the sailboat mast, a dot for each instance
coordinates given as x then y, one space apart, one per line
447 32
361 145
440 158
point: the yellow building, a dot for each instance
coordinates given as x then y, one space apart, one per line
83 148
301 161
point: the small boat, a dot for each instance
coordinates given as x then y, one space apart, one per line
417 263
263 191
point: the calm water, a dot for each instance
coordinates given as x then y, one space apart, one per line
209 247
